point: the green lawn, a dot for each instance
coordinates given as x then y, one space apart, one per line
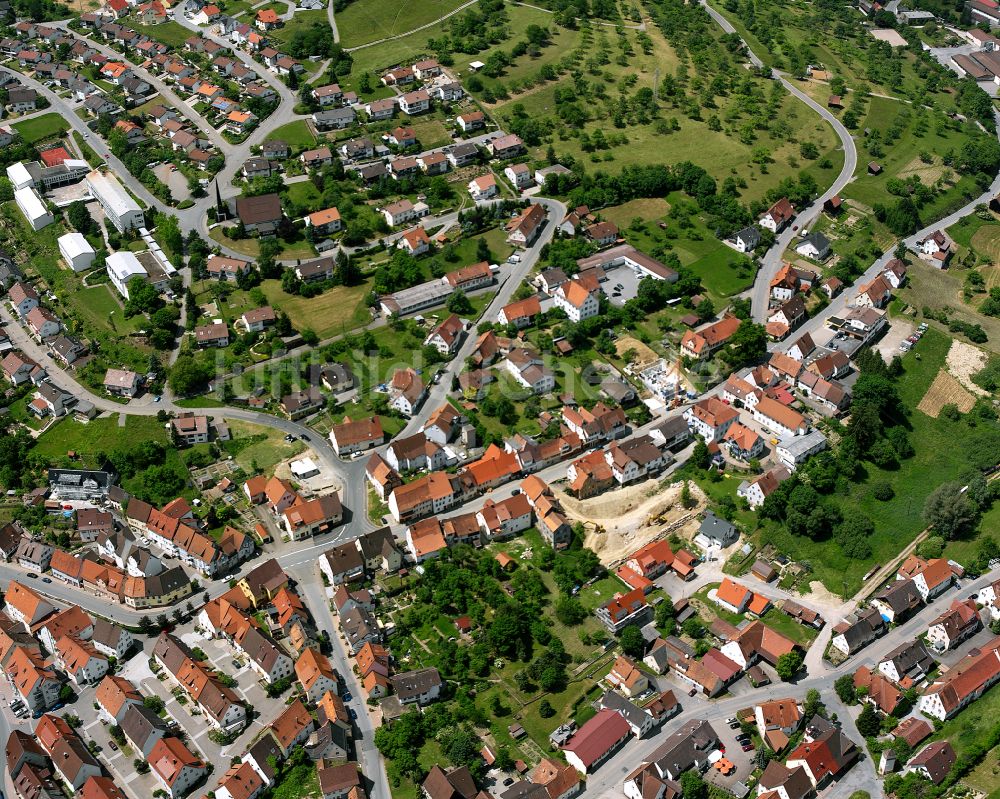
902 158
99 435
365 21
296 134
722 270
169 33
40 128
302 193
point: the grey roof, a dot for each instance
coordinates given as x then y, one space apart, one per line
717 529
673 427
411 684
818 240
902 596
863 630
372 544
139 722
106 632
691 743
632 713
749 236
795 781
334 115
796 445
262 752
524 789
166 582
911 658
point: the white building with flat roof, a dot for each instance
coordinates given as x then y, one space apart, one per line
117 203
19 176
76 251
122 267
34 208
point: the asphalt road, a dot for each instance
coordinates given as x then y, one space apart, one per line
366 753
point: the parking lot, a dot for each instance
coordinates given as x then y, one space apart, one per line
899 330
621 286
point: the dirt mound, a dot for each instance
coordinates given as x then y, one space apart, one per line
619 522
963 362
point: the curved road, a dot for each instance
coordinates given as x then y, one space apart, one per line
771 262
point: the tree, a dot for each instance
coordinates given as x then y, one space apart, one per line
949 511
569 611
632 642
788 665
747 345
545 709
813 703
664 611
188 376
458 303
868 722
844 686
693 786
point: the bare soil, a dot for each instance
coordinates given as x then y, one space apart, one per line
943 391
644 355
619 522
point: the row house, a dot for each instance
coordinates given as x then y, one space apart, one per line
963 683
220 705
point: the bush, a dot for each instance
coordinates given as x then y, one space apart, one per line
882 491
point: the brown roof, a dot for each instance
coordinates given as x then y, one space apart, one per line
292 721
312 665
113 692
263 208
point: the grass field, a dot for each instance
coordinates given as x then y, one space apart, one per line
938 288
303 192
301 20
972 725
170 33
296 134
100 435
365 21
938 458
336 310
903 157
263 455
430 133
99 307
40 128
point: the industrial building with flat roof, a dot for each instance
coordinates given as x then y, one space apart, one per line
117 203
417 298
